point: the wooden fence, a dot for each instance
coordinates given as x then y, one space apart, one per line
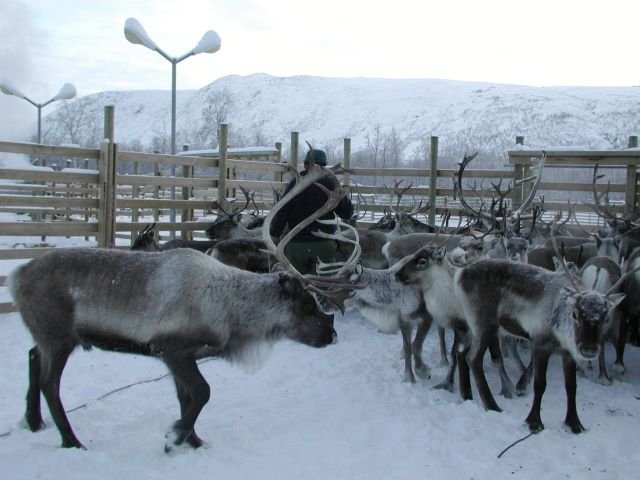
105 205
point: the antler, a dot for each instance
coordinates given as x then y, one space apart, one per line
534 189
561 257
340 268
335 289
237 211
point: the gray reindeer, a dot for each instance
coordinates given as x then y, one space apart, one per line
177 306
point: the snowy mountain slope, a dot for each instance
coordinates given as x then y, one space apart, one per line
465 115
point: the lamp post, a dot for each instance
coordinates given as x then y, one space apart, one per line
209 43
67 92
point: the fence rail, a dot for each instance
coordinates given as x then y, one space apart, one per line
104 204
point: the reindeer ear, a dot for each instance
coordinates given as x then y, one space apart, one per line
614 300
290 287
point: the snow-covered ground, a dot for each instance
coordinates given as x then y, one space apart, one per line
341 412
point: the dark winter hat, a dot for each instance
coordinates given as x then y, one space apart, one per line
319 157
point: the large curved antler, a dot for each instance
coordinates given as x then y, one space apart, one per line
534 189
336 289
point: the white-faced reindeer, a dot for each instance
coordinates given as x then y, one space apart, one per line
176 306
430 270
552 309
383 299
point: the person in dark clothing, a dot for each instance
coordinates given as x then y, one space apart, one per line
305 248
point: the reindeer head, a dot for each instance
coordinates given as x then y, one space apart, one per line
227 224
589 309
412 269
145 241
590 316
470 249
312 327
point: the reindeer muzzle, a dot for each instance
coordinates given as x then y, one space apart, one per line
589 352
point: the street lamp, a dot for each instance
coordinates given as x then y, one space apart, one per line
67 92
209 43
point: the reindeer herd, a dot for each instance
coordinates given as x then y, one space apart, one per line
506 281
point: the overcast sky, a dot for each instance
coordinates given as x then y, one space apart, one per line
540 43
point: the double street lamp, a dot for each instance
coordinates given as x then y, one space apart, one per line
67 92
209 43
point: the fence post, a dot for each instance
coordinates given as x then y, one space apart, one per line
293 155
433 180
106 177
518 175
631 188
347 161
102 198
223 132
135 193
187 193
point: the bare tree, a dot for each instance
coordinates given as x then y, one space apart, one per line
215 111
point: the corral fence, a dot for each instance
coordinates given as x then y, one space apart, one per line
88 198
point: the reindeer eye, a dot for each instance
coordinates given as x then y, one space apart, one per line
422 263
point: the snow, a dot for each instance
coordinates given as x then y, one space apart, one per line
341 412
465 116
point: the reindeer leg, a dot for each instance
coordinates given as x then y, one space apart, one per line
525 378
479 343
406 329
449 379
193 394
52 365
571 420
618 366
496 355
603 374
33 415
185 401
422 369
461 348
443 346
540 363
513 350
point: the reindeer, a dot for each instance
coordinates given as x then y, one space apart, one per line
177 306
430 270
146 242
600 273
245 253
552 309
230 224
383 299
630 308
463 249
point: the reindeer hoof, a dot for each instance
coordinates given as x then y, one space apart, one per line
606 381
448 386
575 426
34 423
423 371
409 378
617 371
72 443
535 426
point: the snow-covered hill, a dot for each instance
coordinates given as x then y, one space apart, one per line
404 113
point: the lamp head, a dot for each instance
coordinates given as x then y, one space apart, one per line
7 88
135 33
67 92
209 43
